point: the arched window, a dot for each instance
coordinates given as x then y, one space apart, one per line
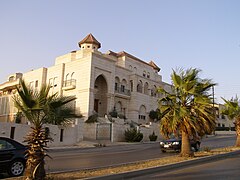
117 83
139 86
72 75
118 107
142 112
135 70
154 91
123 85
67 77
146 88
131 85
144 73
148 75
130 67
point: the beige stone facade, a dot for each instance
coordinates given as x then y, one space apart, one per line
100 81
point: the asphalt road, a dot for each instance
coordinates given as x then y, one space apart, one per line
76 159
224 169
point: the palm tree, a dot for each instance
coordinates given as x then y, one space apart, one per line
232 110
188 109
39 108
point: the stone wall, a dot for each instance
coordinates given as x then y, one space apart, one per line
89 131
70 134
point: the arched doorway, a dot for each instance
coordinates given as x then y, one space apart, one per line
100 98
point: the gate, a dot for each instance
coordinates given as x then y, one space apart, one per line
104 131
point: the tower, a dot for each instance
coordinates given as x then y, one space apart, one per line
89 42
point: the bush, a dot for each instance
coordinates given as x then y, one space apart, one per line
92 119
153 137
18 117
132 135
114 113
155 115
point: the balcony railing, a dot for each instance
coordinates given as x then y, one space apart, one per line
69 84
122 91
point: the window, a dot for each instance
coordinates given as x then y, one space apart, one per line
122 88
31 85
144 73
131 85
55 82
148 75
67 76
51 82
4 145
146 88
36 83
139 87
142 113
116 86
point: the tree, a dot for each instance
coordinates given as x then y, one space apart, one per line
232 110
39 107
187 110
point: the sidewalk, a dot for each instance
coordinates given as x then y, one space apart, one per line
98 143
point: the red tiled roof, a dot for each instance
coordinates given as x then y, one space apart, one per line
90 39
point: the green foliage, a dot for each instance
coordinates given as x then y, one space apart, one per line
18 118
187 108
121 116
132 135
92 119
114 113
40 107
153 137
155 115
231 108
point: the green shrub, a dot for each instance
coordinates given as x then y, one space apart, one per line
92 119
18 117
114 113
153 137
132 135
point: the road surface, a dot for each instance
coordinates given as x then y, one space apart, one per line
76 159
224 169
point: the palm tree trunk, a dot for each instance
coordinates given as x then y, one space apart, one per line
35 153
186 147
238 132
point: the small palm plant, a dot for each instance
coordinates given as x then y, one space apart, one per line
232 110
39 108
188 109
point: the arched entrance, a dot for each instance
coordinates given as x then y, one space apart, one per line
100 98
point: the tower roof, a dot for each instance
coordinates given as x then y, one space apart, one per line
91 40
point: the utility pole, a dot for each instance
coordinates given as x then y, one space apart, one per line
213 106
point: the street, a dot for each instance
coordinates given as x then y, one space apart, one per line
76 159
224 169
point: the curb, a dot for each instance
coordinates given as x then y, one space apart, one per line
137 173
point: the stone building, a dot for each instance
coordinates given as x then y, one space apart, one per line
102 82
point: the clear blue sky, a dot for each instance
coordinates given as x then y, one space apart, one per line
203 34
